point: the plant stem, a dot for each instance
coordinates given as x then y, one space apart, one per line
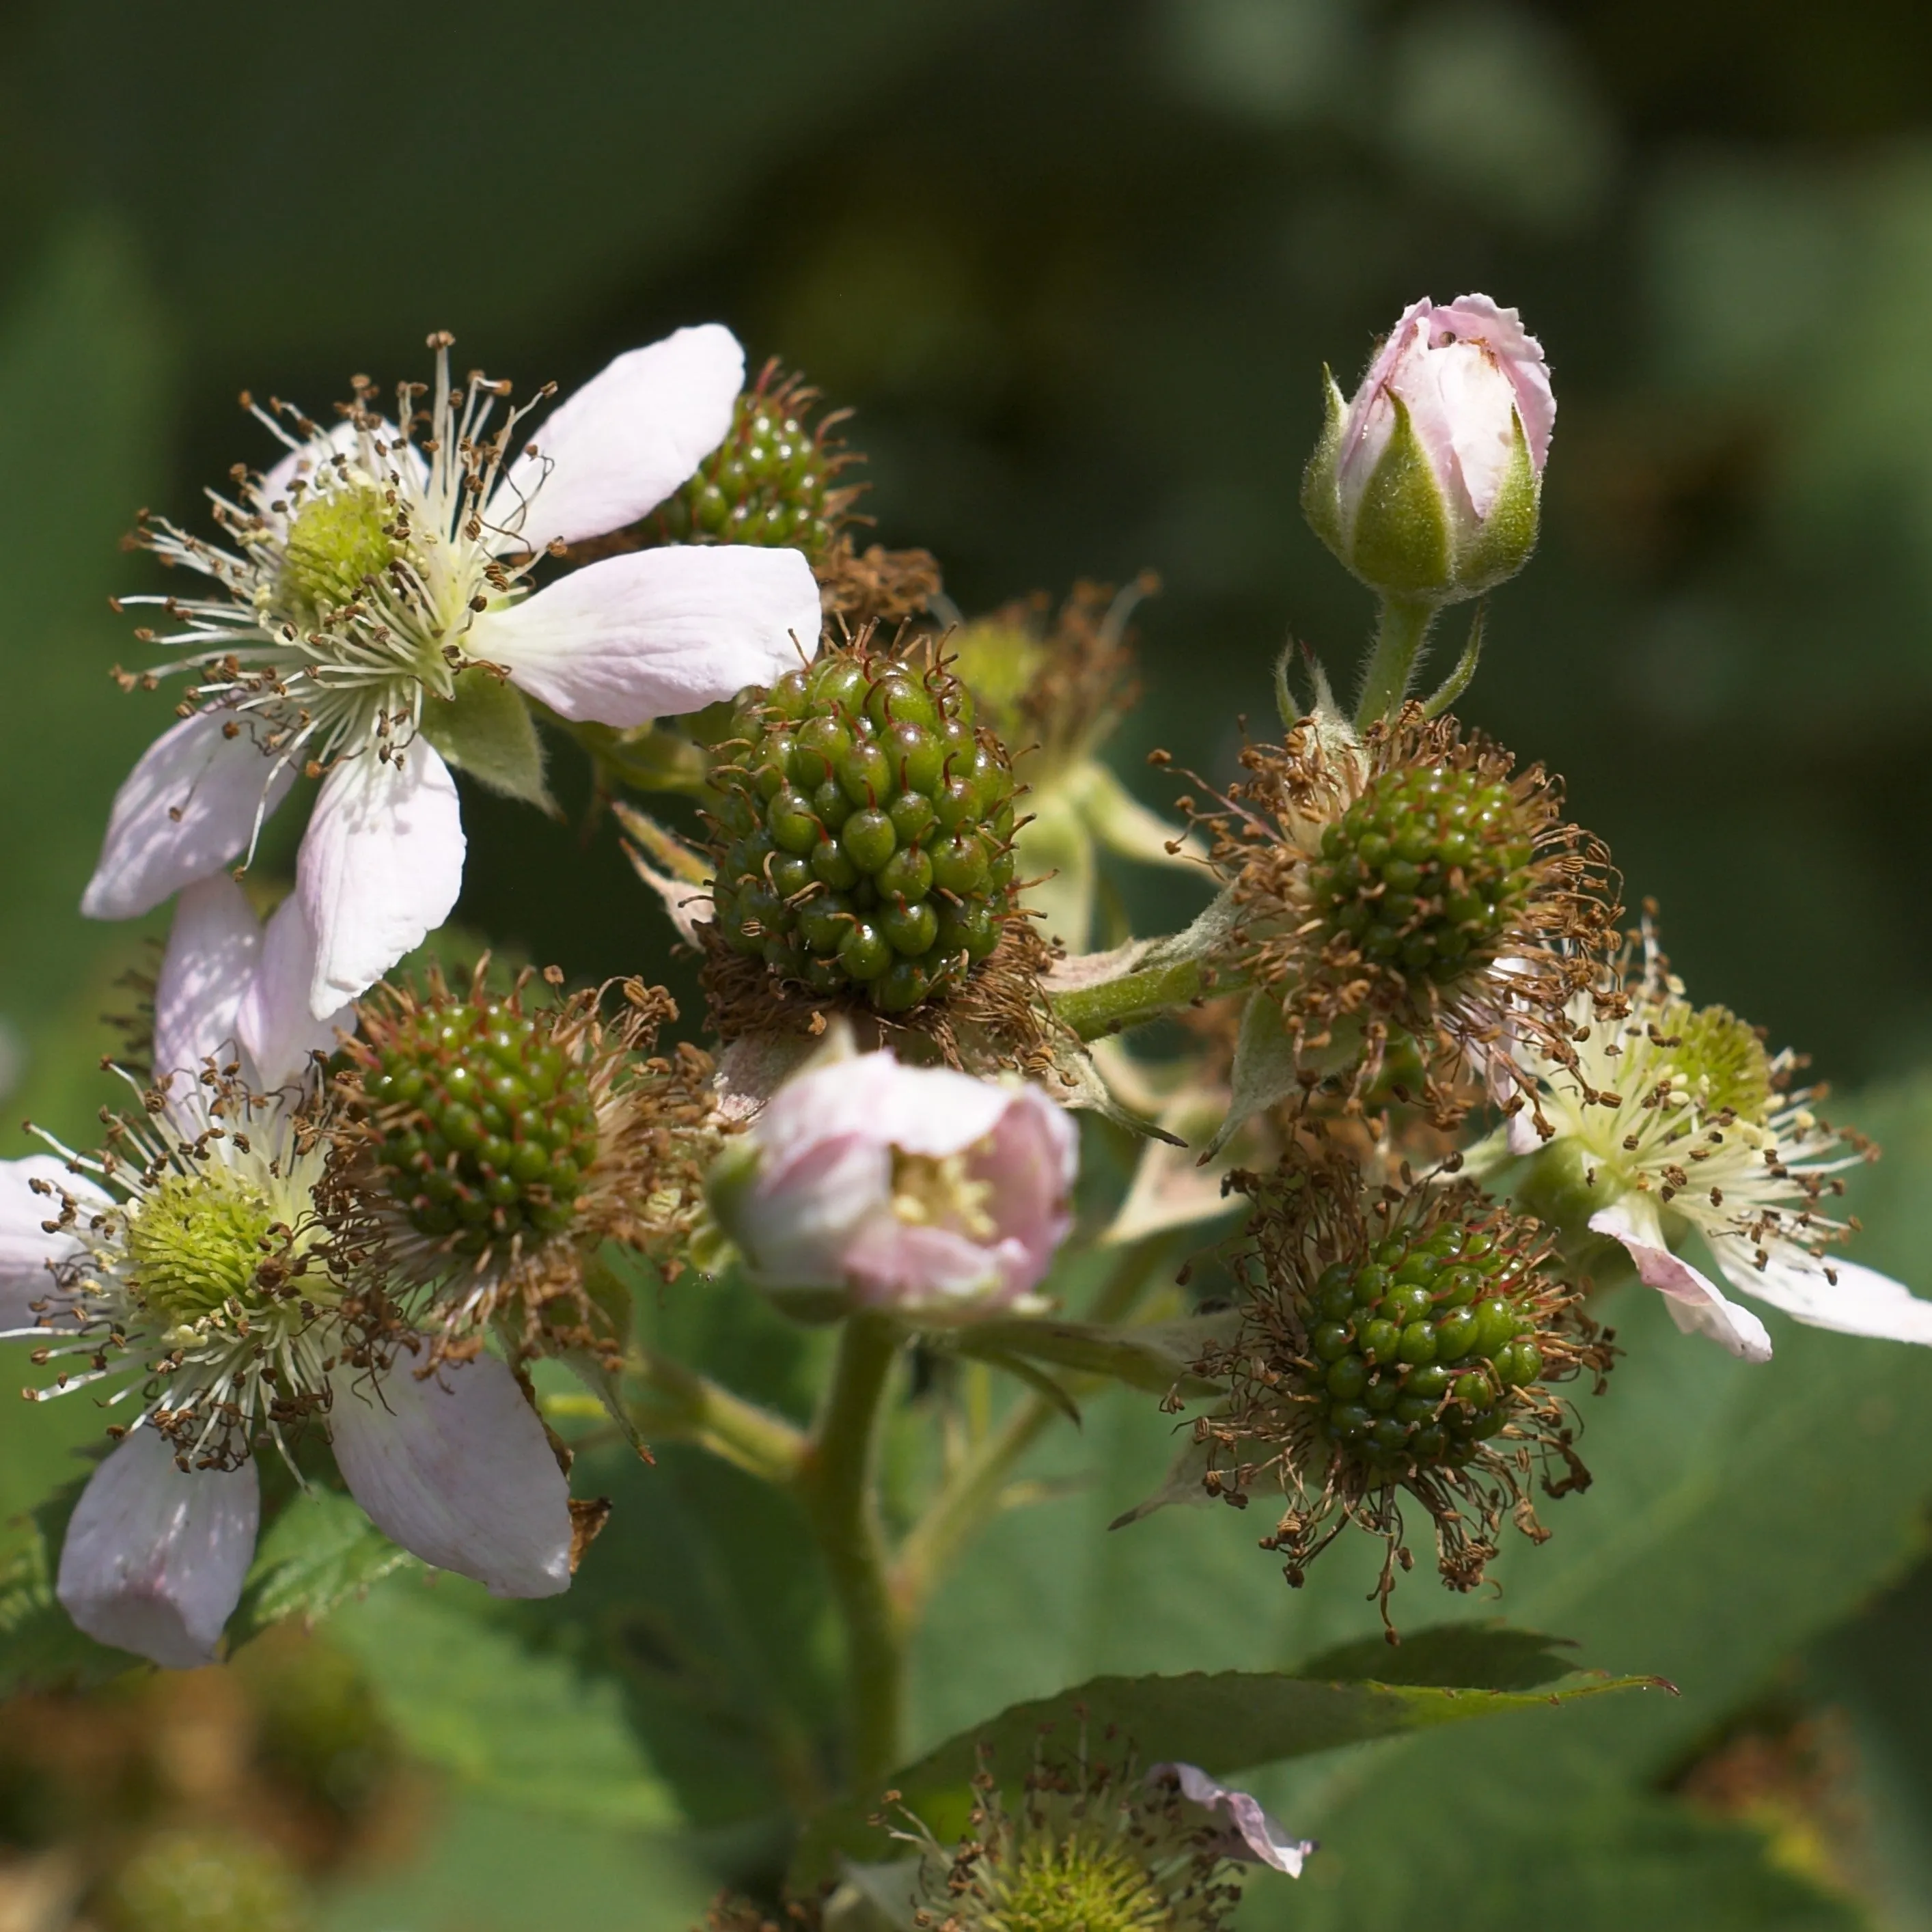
1134 998
835 1483
972 1494
691 1408
1403 625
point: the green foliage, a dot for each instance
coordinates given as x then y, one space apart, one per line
1224 1723
320 1553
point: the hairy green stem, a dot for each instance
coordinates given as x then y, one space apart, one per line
679 1403
1399 634
972 1494
836 1482
1134 998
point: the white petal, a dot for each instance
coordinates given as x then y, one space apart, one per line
211 952
26 1248
657 633
1697 1304
381 866
1254 1837
154 1559
188 809
272 1014
922 1110
799 1217
457 1469
625 441
1861 1301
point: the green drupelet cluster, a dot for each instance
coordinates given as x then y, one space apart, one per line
486 1125
772 480
863 828
1425 871
1417 1349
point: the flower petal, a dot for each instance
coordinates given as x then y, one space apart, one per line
188 809
804 1206
657 633
154 1558
456 1468
381 866
212 948
926 1110
272 1014
625 441
1697 1305
1858 1301
1518 354
1253 1838
27 1251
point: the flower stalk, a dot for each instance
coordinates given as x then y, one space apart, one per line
1400 633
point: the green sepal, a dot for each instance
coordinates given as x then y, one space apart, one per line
1157 1358
486 730
1321 491
1402 544
1508 535
1229 1720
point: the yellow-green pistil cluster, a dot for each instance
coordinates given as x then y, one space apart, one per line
337 541
197 1243
864 831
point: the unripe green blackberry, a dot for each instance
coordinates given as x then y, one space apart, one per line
1413 1352
774 478
1427 870
1386 1341
862 830
486 1125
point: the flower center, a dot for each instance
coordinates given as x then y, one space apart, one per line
1720 1061
198 1242
932 1191
337 540
1069 1886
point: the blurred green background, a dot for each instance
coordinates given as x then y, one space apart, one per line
1077 264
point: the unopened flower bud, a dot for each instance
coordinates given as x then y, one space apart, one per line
1427 485
916 1190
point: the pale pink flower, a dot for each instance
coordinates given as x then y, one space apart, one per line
455 1467
373 594
915 1189
1454 418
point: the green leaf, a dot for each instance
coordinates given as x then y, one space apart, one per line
321 1552
1224 1723
487 730
505 1720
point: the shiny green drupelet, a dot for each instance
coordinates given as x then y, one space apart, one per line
1416 1350
1424 871
487 1126
863 830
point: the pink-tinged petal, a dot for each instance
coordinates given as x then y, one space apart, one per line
1852 1300
919 1268
29 1252
212 948
1254 1837
657 633
1697 1305
272 1016
188 809
154 1558
1031 1164
1475 417
456 1468
1518 354
1371 418
625 441
381 867
924 1110
810 1199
